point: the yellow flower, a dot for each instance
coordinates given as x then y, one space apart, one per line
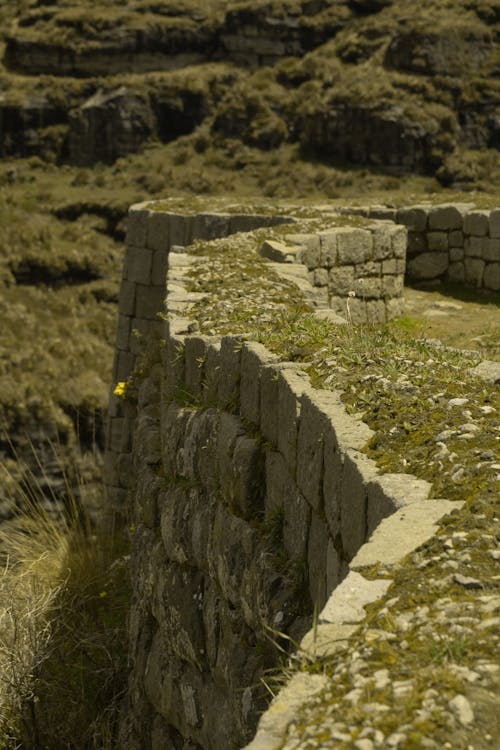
103 594
120 389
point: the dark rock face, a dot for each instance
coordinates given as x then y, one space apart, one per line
20 124
109 125
353 134
444 52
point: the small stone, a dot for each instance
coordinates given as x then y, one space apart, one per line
457 402
489 622
364 744
487 456
382 679
487 409
395 739
462 709
444 435
467 582
375 708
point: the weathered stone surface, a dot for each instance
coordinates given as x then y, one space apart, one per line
414 218
346 604
448 217
326 639
491 277
158 231
316 559
354 245
474 270
283 709
403 532
229 376
494 223
488 371
291 385
437 241
139 264
297 519
477 223
389 492
357 471
427 266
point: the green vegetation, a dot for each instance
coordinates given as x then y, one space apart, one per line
63 604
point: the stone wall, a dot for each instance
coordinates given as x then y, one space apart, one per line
449 242
246 491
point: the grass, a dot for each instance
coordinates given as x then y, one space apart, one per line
63 601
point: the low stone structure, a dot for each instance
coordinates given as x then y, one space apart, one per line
249 498
450 242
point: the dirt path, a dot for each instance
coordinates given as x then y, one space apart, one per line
458 318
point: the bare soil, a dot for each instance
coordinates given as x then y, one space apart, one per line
459 318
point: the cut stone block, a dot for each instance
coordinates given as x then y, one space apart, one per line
297 519
137 225
139 264
477 223
357 471
346 604
158 235
195 349
229 374
292 383
402 532
354 245
413 217
447 217
494 221
389 492
427 266
316 559
326 639
278 251
283 710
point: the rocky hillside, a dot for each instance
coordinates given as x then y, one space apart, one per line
107 102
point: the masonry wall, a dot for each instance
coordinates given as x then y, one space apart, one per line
246 491
449 242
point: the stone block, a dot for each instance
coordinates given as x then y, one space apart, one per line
389 492
390 266
354 245
333 567
456 253
310 450
394 307
126 303
477 223
427 266
253 355
367 287
229 373
491 249
137 225
456 272
139 264
375 311
278 251
494 223
474 246
456 238
392 286
316 560
414 218
210 384
382 213
381 238
173 360
159 268
310 253
399 241
279 485
402 532
474 270
195 349
179 227
320 277
437 241
119 439
371 268
149 301
323 640
491 278
210 226
158 231
417 243
348 431
229 431
356 473
346 605
248 487
446 217
248 222
333 462
328 243
283 710
269 404
291 385
124 364
341 280
123 332
296 522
